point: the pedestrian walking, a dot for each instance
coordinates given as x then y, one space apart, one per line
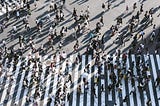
79 89
1 27
134 6
127 9
141 34
68 97
63 2
103 7
27 26
35 4
141 8
101 20
109 4
102 87
94 92
157 82
149 102
18 14
14 29
151 19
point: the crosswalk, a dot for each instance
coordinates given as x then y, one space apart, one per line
88 86
10 5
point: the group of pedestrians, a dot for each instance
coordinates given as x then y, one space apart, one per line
115 64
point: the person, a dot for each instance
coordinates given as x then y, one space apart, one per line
96 80
120 91
64 55
87 12
70 78
102 87
14 29
134 6
154 27
50 40
141 8
25 83
141 34
149 102
137 16
127 9
146 15
29 12
60 45
76 46
121 39
103 7
152 37
48 17
101 20
27 26
81 16
79 89
79 57
35 104
94 91
74 13
61 16
55 33
1 26
28 5
157 82
55 8
125 98
49 100
98 27
51 5
35 4
109 5
18 14
51 31
151 19
63 2
68 96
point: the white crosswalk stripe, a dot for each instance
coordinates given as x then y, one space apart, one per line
20 87
29 81
96 87
116 91
150 87
158 61
55 79
89 81
75 80
81 82
8 84
155 76
47 85
3 75
103 82
136 83
129 84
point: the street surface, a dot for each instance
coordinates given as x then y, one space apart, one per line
14 71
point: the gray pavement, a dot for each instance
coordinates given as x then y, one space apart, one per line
110 47
117 9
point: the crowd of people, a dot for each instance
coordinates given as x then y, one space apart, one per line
114 64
